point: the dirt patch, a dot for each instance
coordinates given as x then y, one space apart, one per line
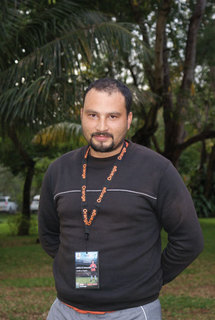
206 291
200 314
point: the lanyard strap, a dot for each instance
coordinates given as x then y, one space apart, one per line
84 207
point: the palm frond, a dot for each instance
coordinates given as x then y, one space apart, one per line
56 43
58 133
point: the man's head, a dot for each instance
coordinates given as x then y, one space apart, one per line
106 116
110 86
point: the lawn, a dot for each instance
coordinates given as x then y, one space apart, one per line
27 287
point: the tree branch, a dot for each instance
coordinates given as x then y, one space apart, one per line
189 67
167 101
206 134
138 18
159 44
190 53
156 145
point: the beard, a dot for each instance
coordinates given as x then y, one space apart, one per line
100 146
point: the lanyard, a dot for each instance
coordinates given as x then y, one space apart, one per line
84 207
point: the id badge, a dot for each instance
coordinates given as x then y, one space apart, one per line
87 270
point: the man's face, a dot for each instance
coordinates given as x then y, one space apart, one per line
105 122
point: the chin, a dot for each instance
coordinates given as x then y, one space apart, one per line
102 149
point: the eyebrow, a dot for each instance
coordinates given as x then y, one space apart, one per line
93 111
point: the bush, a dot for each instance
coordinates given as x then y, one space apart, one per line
205 207
15 220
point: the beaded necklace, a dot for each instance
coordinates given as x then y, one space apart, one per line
84 207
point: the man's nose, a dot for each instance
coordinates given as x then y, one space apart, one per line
102 125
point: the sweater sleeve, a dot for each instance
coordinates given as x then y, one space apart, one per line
48 220
179 219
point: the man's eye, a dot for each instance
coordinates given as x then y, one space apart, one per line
92 115
112 116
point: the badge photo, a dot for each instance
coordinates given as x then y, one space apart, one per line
87 270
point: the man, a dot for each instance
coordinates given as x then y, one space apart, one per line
93 270
111 199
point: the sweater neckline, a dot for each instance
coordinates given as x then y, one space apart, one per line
98 163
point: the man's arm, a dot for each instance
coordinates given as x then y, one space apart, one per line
178 218
49 230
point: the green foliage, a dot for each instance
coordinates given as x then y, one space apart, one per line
189 161
11 185
42 75
205 207
208 228
46 47
15 220
52 49
206 45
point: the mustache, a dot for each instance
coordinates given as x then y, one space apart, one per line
106 134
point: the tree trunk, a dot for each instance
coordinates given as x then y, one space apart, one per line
163 13
174 119
144 135
24 225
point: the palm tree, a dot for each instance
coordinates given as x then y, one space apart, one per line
44 50
46 47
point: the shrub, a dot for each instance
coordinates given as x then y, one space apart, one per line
205 206
15 220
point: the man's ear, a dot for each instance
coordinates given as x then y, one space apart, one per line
81 113
130 116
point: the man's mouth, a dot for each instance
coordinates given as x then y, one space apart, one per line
101 136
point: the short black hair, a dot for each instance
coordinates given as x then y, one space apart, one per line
110 85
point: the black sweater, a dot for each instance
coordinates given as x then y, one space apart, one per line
145 195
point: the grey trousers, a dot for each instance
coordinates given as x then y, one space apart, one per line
150 311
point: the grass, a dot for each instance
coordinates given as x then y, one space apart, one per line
191 295
26 282
27 286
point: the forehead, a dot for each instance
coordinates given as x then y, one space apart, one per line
99 99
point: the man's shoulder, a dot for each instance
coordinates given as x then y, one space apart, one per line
69 157
147 155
